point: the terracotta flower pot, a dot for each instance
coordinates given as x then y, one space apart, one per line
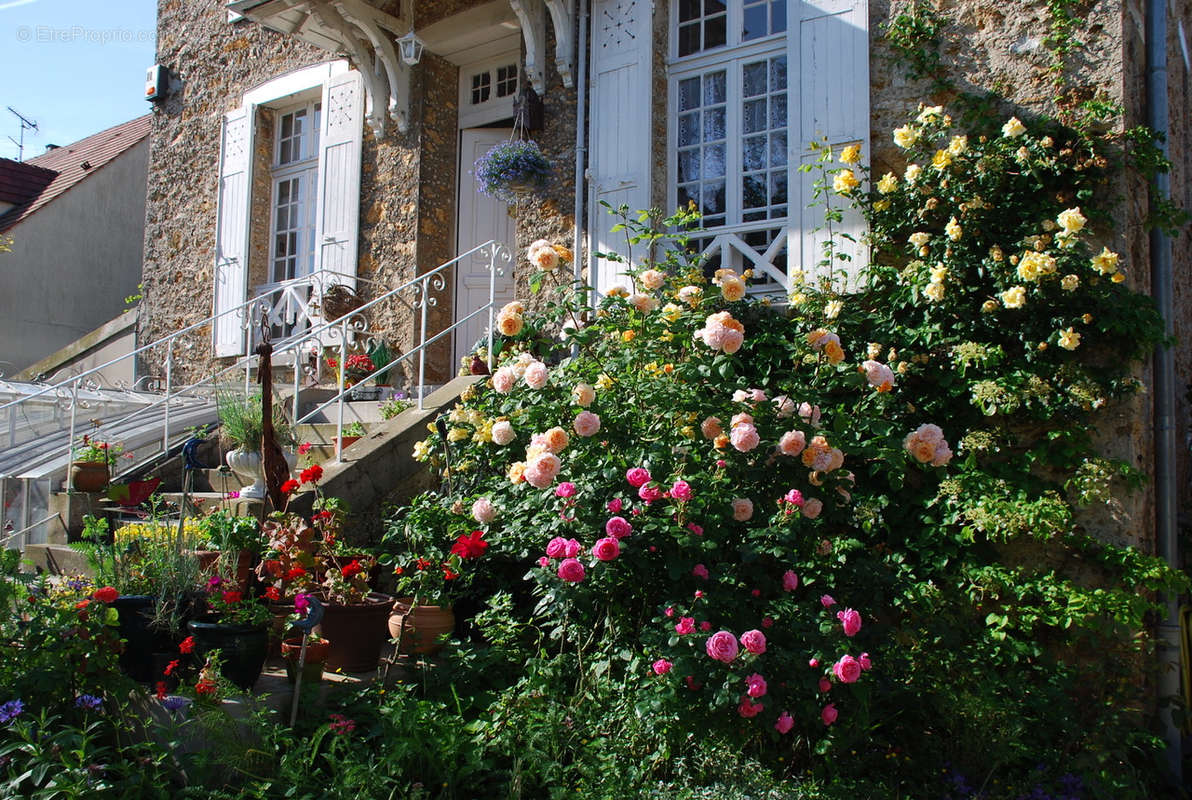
421 627
356 632
207 559
348 441
89 476
316 657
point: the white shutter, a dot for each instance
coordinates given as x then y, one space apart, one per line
833 59
337 213
231 230
620 132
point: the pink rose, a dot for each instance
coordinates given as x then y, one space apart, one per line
790 581
700 571
698 530
812 507
705 626
685 625
710 428
749 709
699 593
847 669
586 423
681 491
825 685
571 548
792 443
851 620
755 685
557 547
662 666
829 714
618 527
745 437
606 549
754 641
638 476
571 570
784 406
785 723
503 380
649 493
794 497
483 511
614 506
565 489
864 661
827 601
670 611
536 375
767 622
813 662
742 509
543 561
503 432
722 646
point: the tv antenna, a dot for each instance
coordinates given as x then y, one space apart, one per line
26 125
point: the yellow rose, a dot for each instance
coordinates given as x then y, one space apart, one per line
929 113
1069 283
733 289
604 382
912 173
953 229
627 336
832 309
958 145
941 160
671 312
1118 277
517 471
1071 220
1014 297
851 154
989 306
1013 128
510 324
934 291
1028 269
798 299
905 136
834 353
1022 155
996 253
939 273
457 434
888 183
882 205
1106 262
844 182
421 450
1069 339
1086 318
919 238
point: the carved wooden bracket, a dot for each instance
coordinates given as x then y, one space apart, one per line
531 15
562 13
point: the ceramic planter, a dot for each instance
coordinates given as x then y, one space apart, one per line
316 657
421 628
89 476
356 632
247 464
243 648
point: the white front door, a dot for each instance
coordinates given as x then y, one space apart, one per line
480 219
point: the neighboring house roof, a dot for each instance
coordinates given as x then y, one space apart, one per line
36 182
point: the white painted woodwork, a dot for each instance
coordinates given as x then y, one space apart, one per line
480 219
833 59
619 132
232 230
531 14
562 14
337 213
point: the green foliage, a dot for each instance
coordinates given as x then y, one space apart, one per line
240 419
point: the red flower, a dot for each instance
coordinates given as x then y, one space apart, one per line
231 597
289 487
472 546
82 604
187 645
273 594
312 474
422 563
161 690
106 595
322 516
173 665
295 573
448 575
304 448
352 570
205 687
398 570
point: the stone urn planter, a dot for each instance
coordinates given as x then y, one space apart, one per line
247 464
243 648
356 631
89 476
421 628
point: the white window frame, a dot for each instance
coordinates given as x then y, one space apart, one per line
731 57
495 109
308 170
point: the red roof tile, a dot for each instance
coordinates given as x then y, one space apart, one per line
66 166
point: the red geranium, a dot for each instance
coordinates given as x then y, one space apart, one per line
312 474
173 665
231 597
472 546
187 645
304 448
449 574
290 486
273 594
106 595
352 570
162 690
295 573
205 687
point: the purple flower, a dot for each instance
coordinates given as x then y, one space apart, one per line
302 603
174 702
10 711
89 702
233 495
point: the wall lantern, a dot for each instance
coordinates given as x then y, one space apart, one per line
411 48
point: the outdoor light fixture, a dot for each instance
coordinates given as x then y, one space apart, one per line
411 48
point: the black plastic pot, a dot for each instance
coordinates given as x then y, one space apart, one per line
243 648
135 611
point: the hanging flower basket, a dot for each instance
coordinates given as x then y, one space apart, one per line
513 170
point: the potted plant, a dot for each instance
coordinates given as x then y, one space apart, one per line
432 548
512 170
380 355
229 543
287 567
353 432
357 367
240 418
235 625
91 464
395 405
317 649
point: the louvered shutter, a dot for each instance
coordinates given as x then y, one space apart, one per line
337 213
833 60
232 230
620 133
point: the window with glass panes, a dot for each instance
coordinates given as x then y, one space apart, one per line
295 181
731 114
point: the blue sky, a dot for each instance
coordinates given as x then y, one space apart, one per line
73 66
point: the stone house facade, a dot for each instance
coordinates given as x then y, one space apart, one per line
294 139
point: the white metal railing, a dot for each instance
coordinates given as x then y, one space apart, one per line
73 393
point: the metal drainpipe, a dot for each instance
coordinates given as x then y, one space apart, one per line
1166 535
581 139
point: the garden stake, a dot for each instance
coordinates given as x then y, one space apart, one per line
441 427
314 615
